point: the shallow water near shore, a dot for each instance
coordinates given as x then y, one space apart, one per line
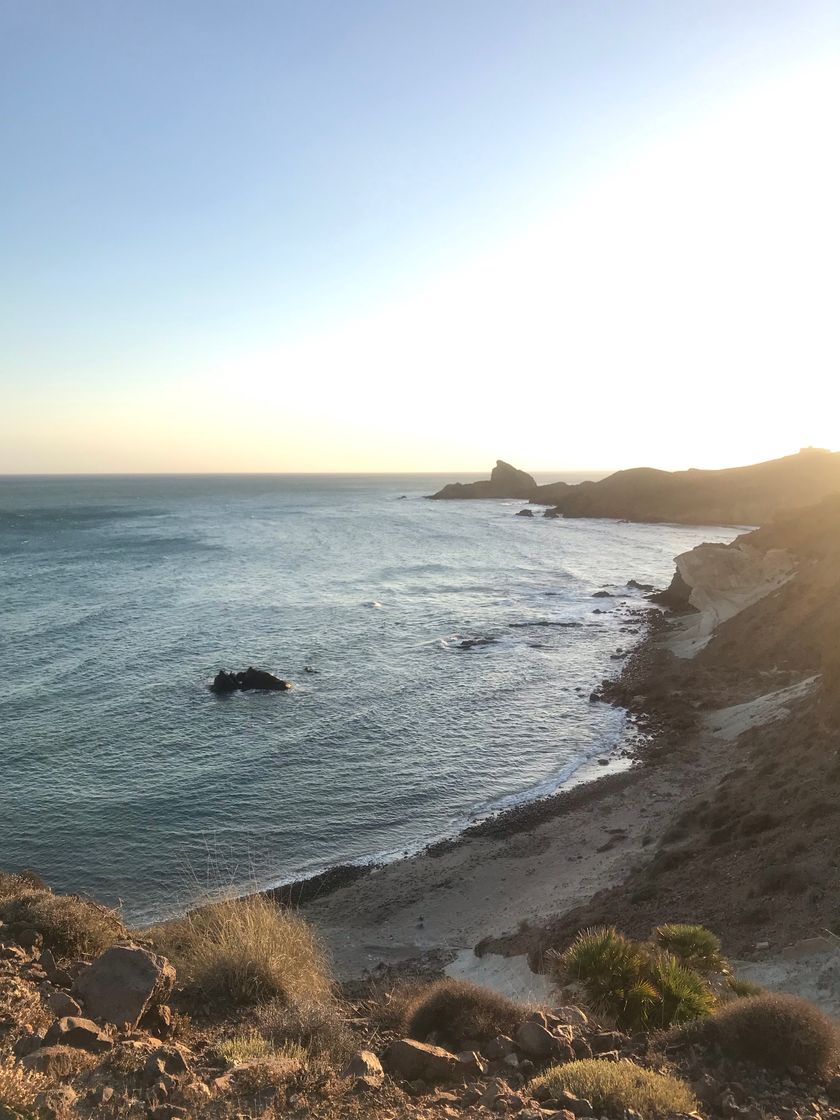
121 597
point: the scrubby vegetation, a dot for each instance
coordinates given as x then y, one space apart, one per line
246 951
69 924
612 1087
694 945
255 1026
459 1013
743 989
318 1027
244 1046
638 986
778 1032
18 1088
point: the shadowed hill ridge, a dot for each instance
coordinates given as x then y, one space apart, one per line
750 495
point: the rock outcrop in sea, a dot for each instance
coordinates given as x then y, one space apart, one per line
246 681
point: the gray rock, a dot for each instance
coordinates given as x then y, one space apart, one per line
83 1034
122 984
365 1067
413 1061
535 1040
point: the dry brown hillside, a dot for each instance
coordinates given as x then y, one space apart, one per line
738 495
756 856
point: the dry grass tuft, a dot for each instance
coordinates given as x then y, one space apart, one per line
458 1013
18 1086
777 1032
269 1072
612 1087
21 1006
319 1027
15 882
244 952
70 925
245 1046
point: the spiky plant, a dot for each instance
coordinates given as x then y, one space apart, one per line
683 994
695 946
636 985
611 968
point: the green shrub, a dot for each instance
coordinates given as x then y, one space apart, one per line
611 968
695 946
636 985
775 1031
459 1012
682 993
246 951
612 1087
69 924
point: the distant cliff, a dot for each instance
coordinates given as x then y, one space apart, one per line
735 496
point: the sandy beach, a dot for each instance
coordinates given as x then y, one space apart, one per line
523 867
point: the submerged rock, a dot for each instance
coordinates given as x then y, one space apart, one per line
250 679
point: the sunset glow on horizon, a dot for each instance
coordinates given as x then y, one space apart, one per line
638 273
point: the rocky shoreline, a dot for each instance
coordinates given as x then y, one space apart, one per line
625 861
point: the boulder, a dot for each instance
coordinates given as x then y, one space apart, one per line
418 1061
83 1034
366 1068
168 1061
248 680
525 513
499 1048
579 1106
60 1003
535 1040
122 984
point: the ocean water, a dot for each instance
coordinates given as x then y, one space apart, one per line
122 775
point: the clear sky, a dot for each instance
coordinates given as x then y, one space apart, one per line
417 234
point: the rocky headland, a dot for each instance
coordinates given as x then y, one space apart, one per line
750 495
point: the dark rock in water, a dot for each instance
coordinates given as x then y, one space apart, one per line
469 643
552 513
309 669
525 513
601 595
634 583
249 680
224 682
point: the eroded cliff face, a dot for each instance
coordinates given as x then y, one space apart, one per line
719 581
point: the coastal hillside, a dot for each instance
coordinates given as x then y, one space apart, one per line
750 495
746 678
